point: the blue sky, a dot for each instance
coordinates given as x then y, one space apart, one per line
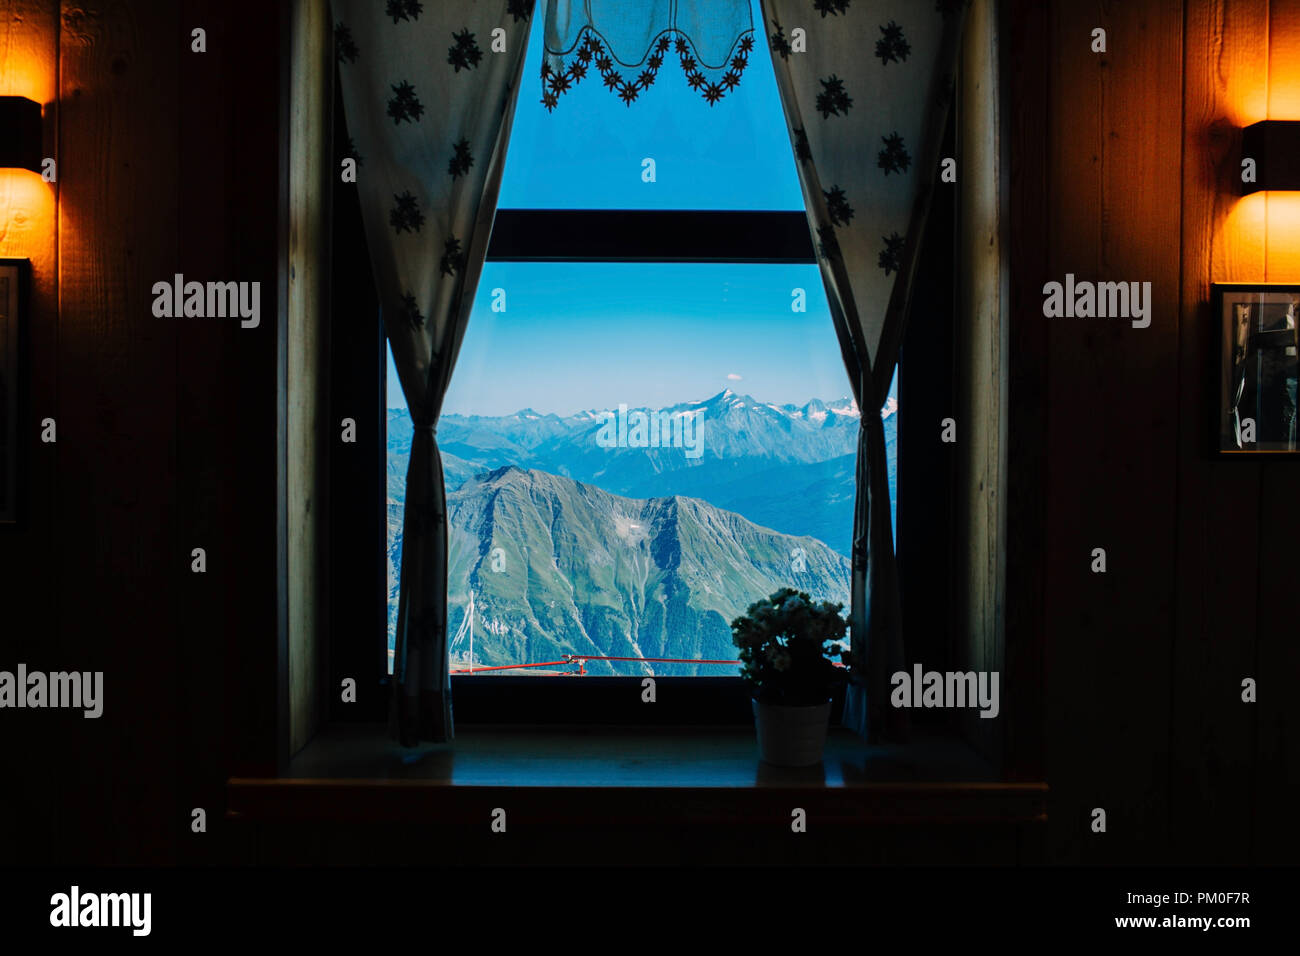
587 153
592 335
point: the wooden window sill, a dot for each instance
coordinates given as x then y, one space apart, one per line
589 776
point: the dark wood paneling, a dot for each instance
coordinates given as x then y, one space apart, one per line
204 129
358 471
167 163
1025 60
1114 132
1212 740
1277 832
29 591
925 477
1277 660
226 427
117 547
1146 661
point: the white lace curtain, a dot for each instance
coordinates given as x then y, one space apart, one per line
626 42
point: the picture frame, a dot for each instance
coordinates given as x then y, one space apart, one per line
13 306
1257 368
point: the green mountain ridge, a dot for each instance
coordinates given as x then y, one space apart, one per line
563 567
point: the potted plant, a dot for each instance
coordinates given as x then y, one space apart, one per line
787 644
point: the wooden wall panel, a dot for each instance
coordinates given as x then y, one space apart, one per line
117 547
1112 420
248 452
226 156
1026 58
1277 831
982 343
1212 741
207 361
29 592
1080 730
167 162
310 430
1145 662
1278 660
1283 71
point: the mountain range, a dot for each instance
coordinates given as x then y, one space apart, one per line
786 467
635 551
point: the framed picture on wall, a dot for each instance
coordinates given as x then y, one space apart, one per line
1259 362
13 280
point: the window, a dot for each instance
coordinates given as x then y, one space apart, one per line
635 449
588 152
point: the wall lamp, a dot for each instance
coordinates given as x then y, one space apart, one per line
20 133
1274 148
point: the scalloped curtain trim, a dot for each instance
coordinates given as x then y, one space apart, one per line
591 49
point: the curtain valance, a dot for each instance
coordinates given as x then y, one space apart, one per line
627 41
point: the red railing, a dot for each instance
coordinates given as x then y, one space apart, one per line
509 667
581 661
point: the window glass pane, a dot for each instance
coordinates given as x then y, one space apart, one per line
588 152
890 416
572 536
572 530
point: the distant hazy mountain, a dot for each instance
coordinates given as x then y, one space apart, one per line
787 467
735 427
586 571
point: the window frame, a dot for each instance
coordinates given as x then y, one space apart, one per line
628 235
582 235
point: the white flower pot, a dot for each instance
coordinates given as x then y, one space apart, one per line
791 736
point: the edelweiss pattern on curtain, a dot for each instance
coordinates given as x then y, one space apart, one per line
866 86
428 90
